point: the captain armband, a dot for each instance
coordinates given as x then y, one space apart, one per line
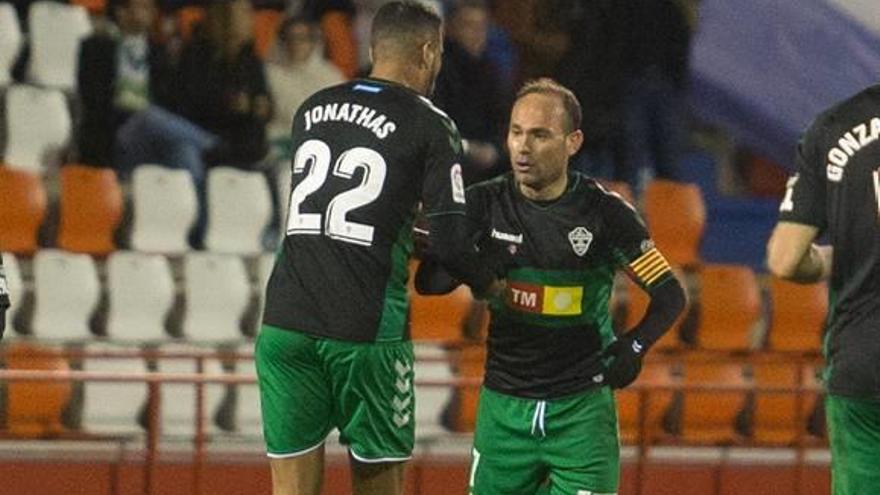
650 269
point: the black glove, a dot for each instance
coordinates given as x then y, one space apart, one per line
626 361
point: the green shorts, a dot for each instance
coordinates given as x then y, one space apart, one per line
309 385
854 435
521 443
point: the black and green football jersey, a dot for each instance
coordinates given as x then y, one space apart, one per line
365 154
547 333
836 188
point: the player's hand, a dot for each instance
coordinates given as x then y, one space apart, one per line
626 355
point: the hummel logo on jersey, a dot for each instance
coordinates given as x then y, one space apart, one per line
504 236
580 239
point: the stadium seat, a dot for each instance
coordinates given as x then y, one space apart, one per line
239 209
91 209
113 408
730 307
265 263
652 375
775 419
178 406
440 319
188 18
34 409
55 33
266 23
94 7
16 293
10 42
165 208
797 315
38 127
141 291
469 364
709 416
67 291
23 205
217 293
431 363
676 217
248 417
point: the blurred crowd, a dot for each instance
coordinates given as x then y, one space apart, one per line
194 84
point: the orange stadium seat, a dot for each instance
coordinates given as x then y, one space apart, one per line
187 19
775 418
34 409
441 318
91 209
658 401
93 6
797 316
709 416
730 307
266 23
676 217
339 38
23 205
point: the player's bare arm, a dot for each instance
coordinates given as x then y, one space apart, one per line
792 254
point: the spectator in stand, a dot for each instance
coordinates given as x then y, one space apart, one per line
469 89
337 19
223 85
296 70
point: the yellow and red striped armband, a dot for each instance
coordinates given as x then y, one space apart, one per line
650 267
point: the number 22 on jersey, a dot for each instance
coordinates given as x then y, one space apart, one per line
313 158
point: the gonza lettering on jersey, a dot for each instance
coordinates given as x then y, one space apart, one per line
353 114
847 146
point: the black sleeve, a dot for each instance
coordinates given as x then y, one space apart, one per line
634 251
454 257
804 200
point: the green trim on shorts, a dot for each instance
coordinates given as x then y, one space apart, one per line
521 443
311 385
854 437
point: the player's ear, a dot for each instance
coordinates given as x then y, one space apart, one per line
429 54
574 141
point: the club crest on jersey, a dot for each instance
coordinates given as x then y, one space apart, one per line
580 239
457 184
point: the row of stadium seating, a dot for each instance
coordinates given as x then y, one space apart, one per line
694 399
66 297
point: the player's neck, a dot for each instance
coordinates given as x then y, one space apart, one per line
404 76
550 192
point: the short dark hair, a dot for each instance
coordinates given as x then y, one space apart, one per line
405 22
295 20
548 86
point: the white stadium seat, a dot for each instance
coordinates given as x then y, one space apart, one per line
239 209
113 407
217 293
141 291
38 127
16 292
67 291
431 364
10 41
165 208
178 407
56 30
